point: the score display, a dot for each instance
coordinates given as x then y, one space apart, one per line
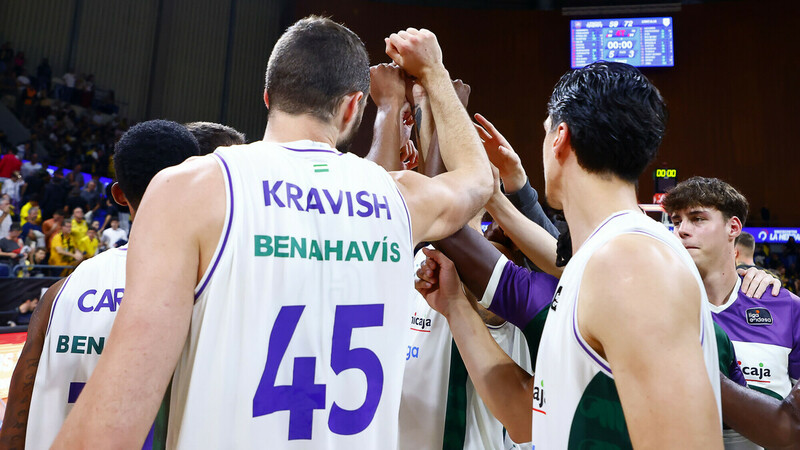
640 42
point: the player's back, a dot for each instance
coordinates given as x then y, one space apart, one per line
296 338
581 405
80 321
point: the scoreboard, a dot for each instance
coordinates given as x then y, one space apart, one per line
640 42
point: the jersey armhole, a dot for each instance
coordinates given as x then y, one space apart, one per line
223 241
55 302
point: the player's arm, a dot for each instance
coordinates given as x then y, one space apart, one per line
467 185
534 241
763 419
640 308
515 182
120 401
388 91
505 387
15 422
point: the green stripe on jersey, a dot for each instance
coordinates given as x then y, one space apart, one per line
455 420
599 422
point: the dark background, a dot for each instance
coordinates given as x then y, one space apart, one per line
732 95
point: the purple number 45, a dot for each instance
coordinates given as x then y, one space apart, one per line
303 396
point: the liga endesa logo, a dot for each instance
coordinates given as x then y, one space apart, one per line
758 316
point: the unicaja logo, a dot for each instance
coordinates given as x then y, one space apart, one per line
759 372
421 323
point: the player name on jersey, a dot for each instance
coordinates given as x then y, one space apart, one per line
326 250
282 194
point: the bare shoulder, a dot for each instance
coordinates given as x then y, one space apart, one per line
639 270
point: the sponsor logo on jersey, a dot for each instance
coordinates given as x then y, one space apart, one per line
556 296
758 316
92 301
413 352
538 398
326 250
420 323
282 194
756 374
81 345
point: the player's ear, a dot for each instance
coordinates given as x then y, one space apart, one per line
118 195
734 227
350 108
266 98
561 143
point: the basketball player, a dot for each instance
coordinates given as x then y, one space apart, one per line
708 215
439 408
289 324
211 135
610 343
68 333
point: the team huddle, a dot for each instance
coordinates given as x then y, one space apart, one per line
279 315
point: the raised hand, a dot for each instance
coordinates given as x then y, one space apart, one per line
416 51
409 155
501 155
387 85
462 90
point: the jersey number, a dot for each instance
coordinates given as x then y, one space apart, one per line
303 396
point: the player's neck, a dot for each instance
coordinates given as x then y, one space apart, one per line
290 127
719 277
590 199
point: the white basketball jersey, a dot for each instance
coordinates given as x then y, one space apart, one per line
298 331
575 401
81 317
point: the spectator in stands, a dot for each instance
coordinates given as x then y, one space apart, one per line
34 186
19 61
32 233
6 56
38 258
12 247
79 225
20 315
63 251
44 74
55 194
69 83
13 187
52 226
211 135
9 164
5 217
91 198
75 200
89 243
24 213
115 236
32 166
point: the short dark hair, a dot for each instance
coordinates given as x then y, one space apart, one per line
211 135
314 64
616 117
746 240
707 192
15 226
147 148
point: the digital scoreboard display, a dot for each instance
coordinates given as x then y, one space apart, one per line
640 42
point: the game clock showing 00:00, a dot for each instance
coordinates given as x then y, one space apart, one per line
665 179
640 42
